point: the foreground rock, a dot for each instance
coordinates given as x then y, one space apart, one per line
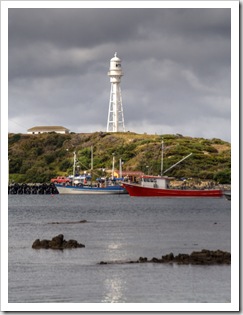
69 222
57 242
204 257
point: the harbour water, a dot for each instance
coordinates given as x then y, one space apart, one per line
117 228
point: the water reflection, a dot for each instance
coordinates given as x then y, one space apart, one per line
114 246
113 290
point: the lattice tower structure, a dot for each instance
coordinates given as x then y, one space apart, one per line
115 121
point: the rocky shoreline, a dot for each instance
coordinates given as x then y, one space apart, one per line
56 242
203 257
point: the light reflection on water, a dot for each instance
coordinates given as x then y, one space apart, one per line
113 288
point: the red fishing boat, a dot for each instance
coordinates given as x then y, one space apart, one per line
159 186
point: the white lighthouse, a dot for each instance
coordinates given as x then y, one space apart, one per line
115 121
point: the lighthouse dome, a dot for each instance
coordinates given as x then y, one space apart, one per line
115 58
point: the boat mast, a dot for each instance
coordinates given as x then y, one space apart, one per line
92 158
8 172
74 165
120 168
113 165
162 158
92 161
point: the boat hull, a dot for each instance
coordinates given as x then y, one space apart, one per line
87 190
227 195
135 190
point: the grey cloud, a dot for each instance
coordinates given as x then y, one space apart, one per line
73 27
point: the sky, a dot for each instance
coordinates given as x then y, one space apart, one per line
176 64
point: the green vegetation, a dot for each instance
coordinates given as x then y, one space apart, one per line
38 158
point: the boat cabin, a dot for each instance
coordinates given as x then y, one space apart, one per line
155 181
80 179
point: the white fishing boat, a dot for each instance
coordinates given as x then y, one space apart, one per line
82 185
115 189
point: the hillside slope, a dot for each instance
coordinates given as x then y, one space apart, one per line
38 158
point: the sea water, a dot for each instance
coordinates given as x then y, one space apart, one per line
118 227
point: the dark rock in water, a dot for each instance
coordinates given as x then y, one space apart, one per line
40 244
69 222
36 244
203 257
72 244
168 257
44 244
209 257
56 242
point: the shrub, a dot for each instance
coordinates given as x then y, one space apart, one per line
223 177
15 165
49 158
14 138
65 165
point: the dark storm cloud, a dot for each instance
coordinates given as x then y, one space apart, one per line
40 30
176 65
75 27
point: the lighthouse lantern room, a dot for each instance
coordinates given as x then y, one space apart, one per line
115 121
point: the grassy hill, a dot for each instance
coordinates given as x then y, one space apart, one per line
38 158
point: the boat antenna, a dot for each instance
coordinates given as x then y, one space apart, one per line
113 165
74 165
92 161
177 163
162 158
120 168
92 158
